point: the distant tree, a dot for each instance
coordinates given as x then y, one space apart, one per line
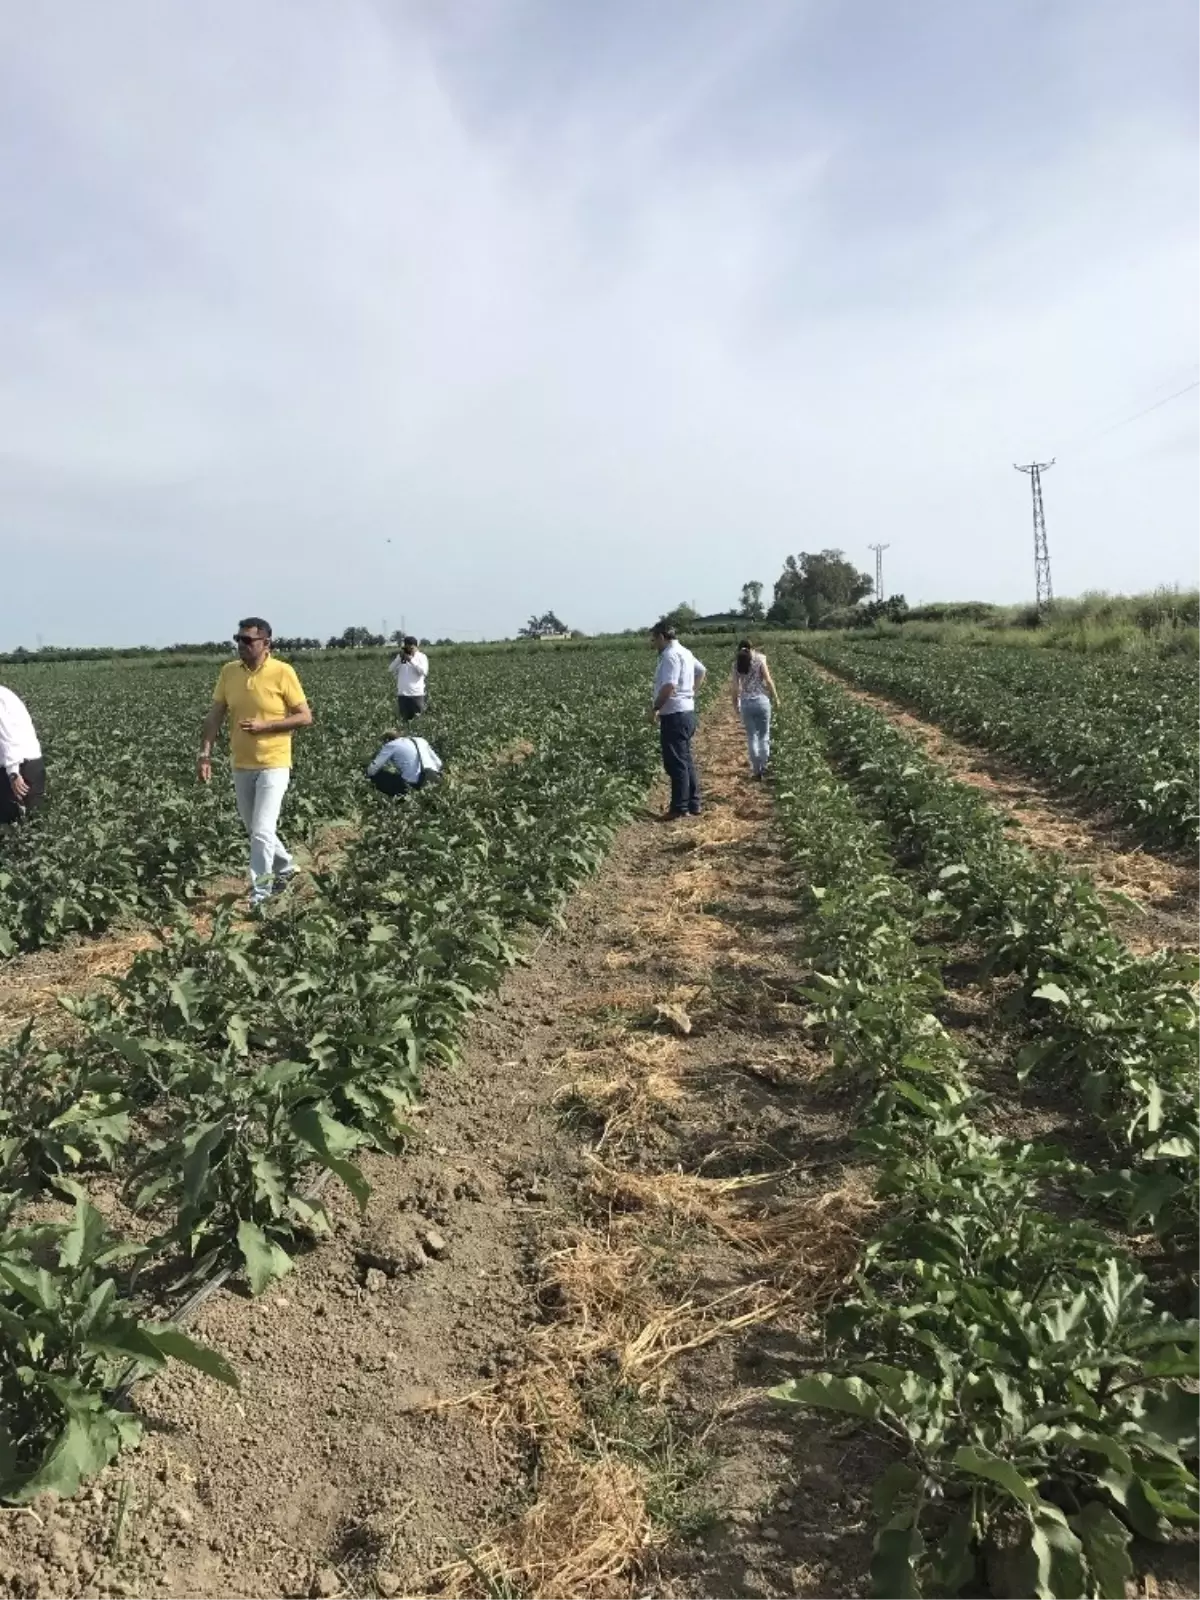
355 639
893 609
540 627
682 614
811 585
751 606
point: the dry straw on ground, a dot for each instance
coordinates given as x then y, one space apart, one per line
585 1535
31 987
659 1263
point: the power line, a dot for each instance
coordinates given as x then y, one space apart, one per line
1187 389
1041 550
878 549
1137 415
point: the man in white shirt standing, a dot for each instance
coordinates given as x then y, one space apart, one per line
405 762
22 770
411 672
676 680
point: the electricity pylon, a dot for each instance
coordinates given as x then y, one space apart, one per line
1041 550
878 549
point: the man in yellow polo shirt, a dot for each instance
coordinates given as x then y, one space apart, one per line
265 703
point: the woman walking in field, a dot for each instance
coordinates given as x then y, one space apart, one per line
753 695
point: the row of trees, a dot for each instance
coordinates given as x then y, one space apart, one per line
286 644
815 589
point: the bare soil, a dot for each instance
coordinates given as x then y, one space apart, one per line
1159 891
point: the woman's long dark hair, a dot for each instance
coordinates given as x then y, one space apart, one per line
744 652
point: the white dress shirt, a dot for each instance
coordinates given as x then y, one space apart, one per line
409 756
410 675
18 741
679 667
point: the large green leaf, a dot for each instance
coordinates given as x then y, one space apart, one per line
87 1443
1105 1541
850 1395
83 1239
324 1133
331 1140
265 1260
1058 1553
894 1561
1173 1417
953 1563
179 1346
34 1284
198 1150
897 1480
980 1463
353 1178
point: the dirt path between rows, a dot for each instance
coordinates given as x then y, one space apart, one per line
1165 888
539 1365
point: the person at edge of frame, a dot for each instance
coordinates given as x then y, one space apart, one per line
22 770
410 669
404 762
265 704
678 675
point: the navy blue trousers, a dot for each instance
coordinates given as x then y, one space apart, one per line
675 730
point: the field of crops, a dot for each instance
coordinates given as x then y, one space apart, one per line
1016 1331
1123 733
129 831
204 1097
1010 1330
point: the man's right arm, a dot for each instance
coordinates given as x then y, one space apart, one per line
10 759
386 752
8 752
209 730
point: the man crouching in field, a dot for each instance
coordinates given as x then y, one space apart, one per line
265 703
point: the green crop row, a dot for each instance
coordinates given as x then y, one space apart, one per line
233 1063
1024 1391
128 831
1119 1027
1121 733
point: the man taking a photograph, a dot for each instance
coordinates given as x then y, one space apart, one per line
265 704
410 669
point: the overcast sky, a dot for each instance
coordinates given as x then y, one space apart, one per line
458 310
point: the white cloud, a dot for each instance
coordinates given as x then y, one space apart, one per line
579 306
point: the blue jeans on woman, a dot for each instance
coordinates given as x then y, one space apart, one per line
756 719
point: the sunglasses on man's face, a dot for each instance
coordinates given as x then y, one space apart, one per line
245 638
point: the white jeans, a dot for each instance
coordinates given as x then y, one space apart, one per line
259 798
